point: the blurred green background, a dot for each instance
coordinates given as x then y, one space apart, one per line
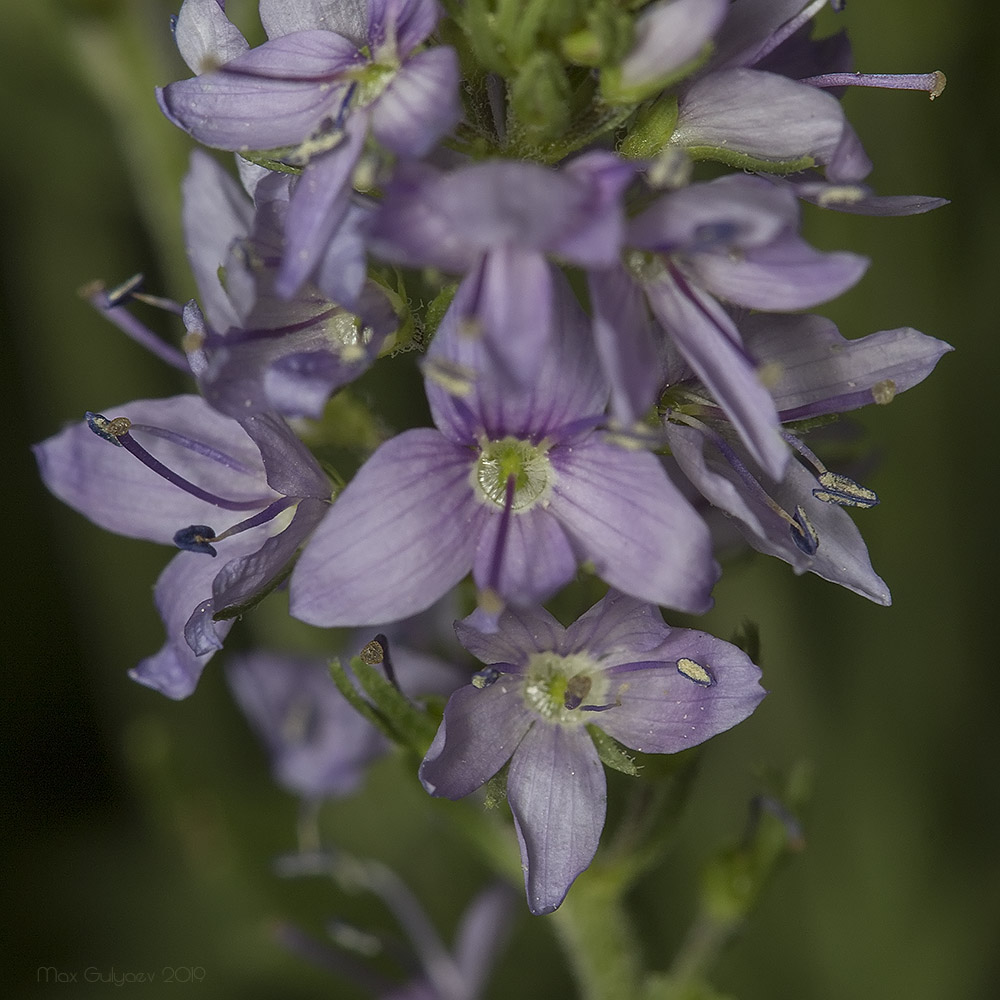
142 831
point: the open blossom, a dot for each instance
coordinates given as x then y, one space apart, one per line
253 350
186 475
812 371
620 668
731 240
519 488
326 77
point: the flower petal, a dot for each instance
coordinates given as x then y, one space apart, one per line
110 487
318 206
205 37
821 371
616 629
558 795
566 383
662 710
762 115
710 343
522 632
623 513
481 728
401 534
216 213
669 34
346 17
535 561
186 582
420 105
786 274
277 94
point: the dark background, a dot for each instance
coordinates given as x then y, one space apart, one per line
142 830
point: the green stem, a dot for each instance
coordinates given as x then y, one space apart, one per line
599 938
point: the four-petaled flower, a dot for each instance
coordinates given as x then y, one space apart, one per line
620 668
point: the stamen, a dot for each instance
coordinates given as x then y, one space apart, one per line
377 651
484 678
116 431
112 306
199 537
933 83
836 488
803 533
694 671
196 538
577 688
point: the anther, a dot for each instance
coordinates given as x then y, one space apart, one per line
803 533
110 430
694 671
484 678
577 688
372 653
846 492
196 538
377 651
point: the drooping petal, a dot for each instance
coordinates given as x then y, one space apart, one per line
205 37
661 709
819 371
401 534
841 556
114 490
289 466
624 338
786 274
558 795
534 559
731 212
318 206
623 513
481 728
185 583
420 105
616 629
710 343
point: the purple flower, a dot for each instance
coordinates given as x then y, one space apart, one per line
734 239
811 371
441 974
497 223
311 94
195 468
318 743
253 350
518 487
748 107
620 668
